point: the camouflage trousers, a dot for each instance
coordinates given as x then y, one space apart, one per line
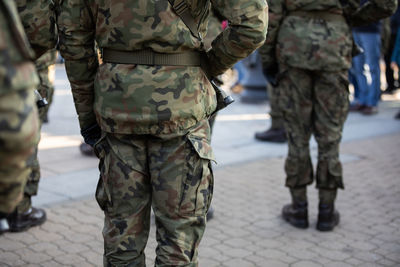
46 71
170 174
18 138
313 102
275 112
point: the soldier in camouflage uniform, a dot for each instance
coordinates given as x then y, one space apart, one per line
38 19
18 113
310 41
151 100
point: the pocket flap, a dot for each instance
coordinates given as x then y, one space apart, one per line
202 147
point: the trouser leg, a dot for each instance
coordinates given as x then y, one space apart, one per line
124 193
295 101
331 108
18 137
275 113
182 184
45 88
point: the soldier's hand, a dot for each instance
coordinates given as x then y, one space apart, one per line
91 134
271 73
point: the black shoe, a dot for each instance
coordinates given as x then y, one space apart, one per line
296 214
328 218
87 150
277 135
21 222
4 226
397 116
210 213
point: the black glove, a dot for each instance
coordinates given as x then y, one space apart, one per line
271 74
91 134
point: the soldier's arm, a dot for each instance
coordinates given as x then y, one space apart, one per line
267 51
372 11
76 31
38 19
247 29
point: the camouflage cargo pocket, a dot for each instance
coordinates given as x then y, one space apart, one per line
197 188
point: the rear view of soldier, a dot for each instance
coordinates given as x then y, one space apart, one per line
309 50
145 110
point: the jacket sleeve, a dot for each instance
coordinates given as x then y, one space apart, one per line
248 20
267 51
77 46
39 21
373 11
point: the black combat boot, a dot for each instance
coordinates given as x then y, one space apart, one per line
23 221
296 214
328 217
276 135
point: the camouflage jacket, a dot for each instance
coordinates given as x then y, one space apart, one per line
17 70
39 21
145 99
314 40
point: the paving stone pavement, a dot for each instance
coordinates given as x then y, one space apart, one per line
247 229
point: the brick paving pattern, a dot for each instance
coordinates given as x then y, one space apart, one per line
247 229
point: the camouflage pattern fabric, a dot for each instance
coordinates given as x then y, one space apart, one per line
39 21
311 42
169 173
328 45
275 112
155 150
18 114
164 99
313 102
45 68
214 28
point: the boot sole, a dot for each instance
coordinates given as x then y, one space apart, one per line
326 227
27 226
297 223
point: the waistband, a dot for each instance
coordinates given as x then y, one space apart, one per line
321 15
149 57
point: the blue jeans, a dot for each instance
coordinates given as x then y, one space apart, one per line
366 68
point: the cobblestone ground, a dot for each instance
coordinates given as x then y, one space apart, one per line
247 229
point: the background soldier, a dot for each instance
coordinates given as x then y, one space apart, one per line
152 100
45 66
311 43
38 19
18 113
